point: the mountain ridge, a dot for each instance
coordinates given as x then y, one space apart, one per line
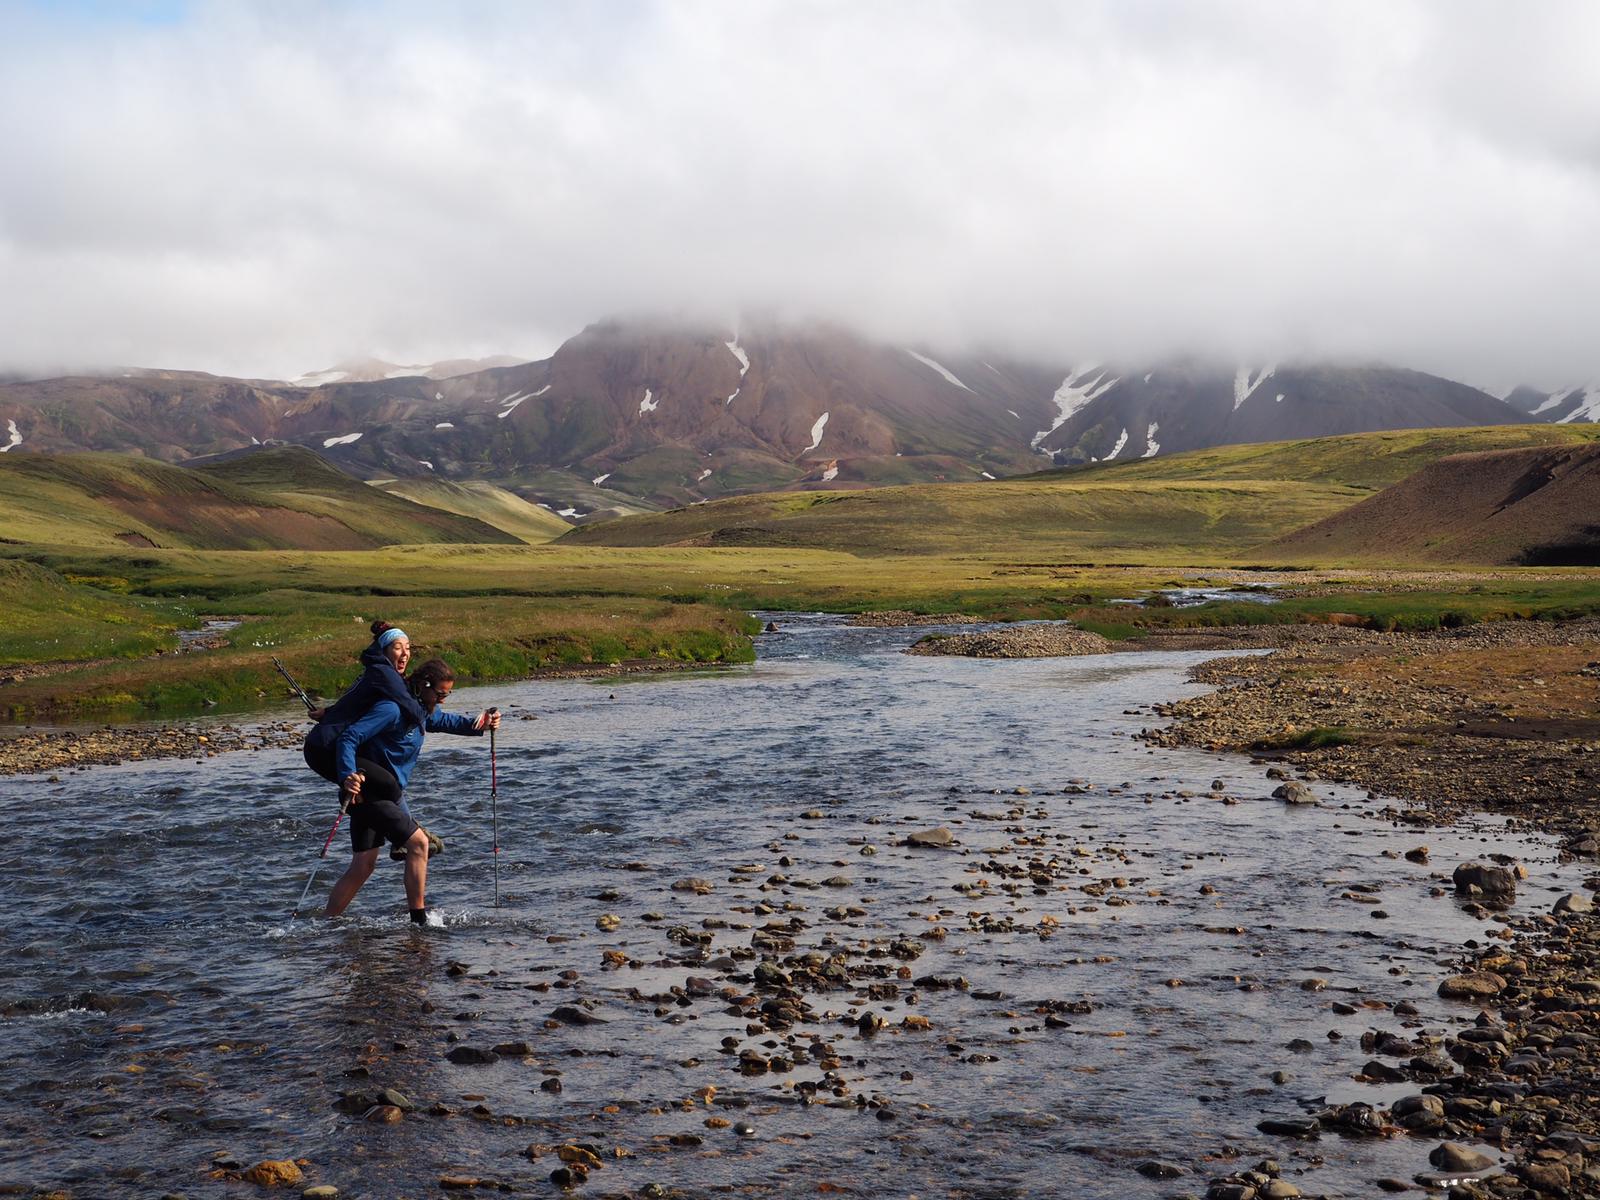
638 414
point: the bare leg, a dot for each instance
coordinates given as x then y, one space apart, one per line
358 872
416 870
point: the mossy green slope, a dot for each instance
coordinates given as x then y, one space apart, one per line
49 617
485 502
278 499
1108 521
1370 461
1200 506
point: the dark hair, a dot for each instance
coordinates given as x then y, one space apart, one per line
430 674
380 627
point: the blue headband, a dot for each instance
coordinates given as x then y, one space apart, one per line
391 635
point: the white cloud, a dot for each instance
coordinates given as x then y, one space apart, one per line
265 188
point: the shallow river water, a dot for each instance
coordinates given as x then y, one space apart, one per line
161 1018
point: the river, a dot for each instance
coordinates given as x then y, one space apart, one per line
163 1020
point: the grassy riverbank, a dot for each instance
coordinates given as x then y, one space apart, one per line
511 611
317 635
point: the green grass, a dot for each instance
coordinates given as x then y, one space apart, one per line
505 510
1368 461
49 618
1319 738
1062 545
1162 521
318 637
274 498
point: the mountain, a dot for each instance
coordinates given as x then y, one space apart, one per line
631 416
1562 407
279 499
1536 506
1105 413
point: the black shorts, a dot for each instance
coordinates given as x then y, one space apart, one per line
380 815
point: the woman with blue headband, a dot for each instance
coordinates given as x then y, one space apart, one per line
368 743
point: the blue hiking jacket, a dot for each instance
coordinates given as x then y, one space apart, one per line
385 737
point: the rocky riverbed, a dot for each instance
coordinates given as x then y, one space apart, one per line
1501 718
1047 640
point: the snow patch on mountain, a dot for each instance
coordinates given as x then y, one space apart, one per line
986 474
1555 401
318 379
13 438
1014 413
1117 449
647 404
704 475
1588 405
329 443
1076 392
928 362
445 425
1278 399
516 398
599 479
1151 446
1244 383
744 365
425 463
816 433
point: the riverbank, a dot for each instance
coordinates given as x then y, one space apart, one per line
1497 717
35 751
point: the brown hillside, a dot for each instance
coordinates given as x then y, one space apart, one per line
1532 507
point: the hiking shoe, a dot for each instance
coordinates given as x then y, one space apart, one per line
435 847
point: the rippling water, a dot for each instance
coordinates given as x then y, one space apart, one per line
159 1008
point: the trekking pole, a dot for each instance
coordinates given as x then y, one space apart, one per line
293 685
344 807
494 808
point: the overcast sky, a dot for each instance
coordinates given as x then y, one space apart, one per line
269 188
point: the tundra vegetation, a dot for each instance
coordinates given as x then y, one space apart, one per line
92 617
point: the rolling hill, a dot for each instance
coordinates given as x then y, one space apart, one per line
286 498
1217 502
1537 506
484 502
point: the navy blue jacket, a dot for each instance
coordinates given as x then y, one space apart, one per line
379 682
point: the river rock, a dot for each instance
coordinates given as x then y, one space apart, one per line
397 1099
1574 902
1475 985
931 838
1155 1169
571 1014
472 1056
1294 792
320 1191
1419 1114
1454 1158
274 1172
1480 879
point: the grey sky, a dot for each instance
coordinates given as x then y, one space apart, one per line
266 189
